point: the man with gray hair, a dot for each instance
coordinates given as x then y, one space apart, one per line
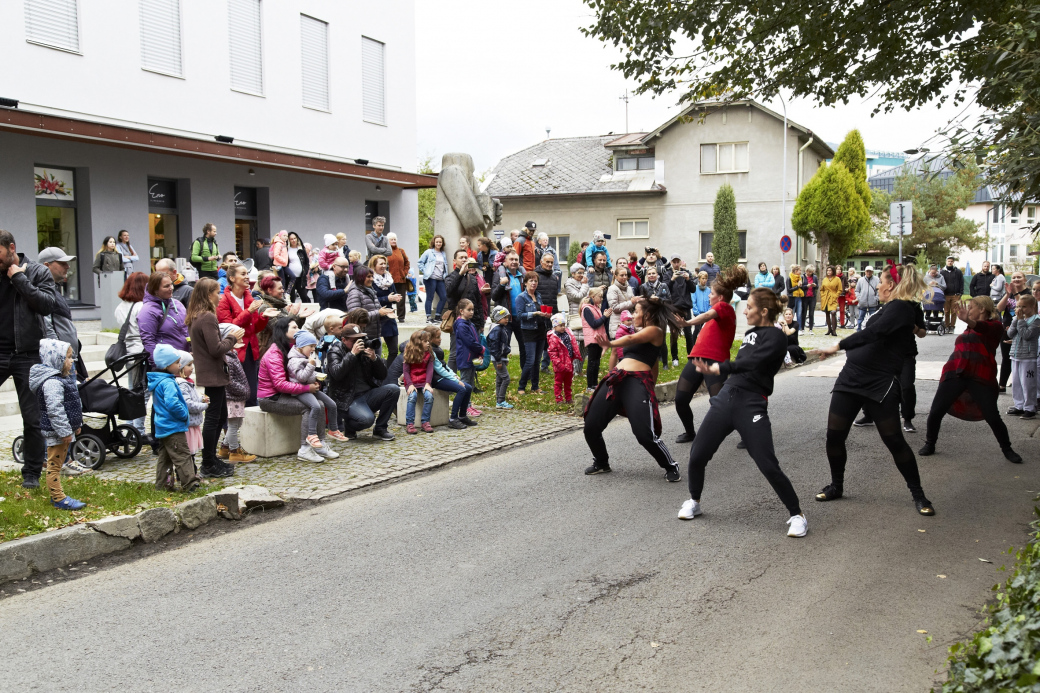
181 288
376 242
59 324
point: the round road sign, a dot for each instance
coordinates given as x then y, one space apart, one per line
785 244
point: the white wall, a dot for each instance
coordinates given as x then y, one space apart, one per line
1002 236
105 80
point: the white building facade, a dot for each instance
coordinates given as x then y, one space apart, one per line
158 116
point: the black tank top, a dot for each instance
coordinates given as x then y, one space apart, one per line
646 353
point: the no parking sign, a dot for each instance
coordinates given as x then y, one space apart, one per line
785 244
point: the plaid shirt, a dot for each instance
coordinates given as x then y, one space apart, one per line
615 377
974 356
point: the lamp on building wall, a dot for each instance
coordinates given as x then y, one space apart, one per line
252 172
8 103
379 187
361 162
224 138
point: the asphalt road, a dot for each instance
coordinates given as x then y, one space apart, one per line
516 572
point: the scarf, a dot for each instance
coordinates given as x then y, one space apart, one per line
796 281
276 303
382 282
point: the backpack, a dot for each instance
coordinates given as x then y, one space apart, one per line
200 240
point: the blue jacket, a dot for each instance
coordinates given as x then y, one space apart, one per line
593 248
222 280
765 281
467 344
701 299
168 405
526 308
498 342
332 295
428 260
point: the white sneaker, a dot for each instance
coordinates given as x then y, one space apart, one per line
690 509
799 526
326 452
675 363
307 454
73 468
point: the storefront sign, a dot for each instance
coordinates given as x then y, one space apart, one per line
54 184
162 193
245 202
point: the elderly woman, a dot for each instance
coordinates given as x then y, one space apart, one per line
362 295
541 248
237 306
161 320
619 298
128 311
384 285
398 264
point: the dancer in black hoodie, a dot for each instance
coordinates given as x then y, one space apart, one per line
742 405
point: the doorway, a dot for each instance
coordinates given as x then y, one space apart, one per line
245 237
162 237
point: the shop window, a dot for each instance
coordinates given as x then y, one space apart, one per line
56 219
633 228
560 245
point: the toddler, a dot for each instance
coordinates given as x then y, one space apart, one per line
61 412
329 253
418 374
354 257
300 368
498 342
170 422
624 329
236 393
1024 333
563 351
197 405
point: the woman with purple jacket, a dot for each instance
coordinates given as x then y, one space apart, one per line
161 320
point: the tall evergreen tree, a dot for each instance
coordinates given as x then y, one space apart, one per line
830 213
853 155
725 244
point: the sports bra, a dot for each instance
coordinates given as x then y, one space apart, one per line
646 353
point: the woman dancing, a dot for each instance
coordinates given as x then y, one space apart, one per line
968 386
628 389
742 405
713 345
870 380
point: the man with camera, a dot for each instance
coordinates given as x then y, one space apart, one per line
356 374
651 258
463 283
510 284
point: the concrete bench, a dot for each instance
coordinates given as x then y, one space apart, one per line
439 415
270 435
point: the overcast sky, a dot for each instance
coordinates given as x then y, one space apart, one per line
492 75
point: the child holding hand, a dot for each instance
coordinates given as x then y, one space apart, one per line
197 404
61 412
170 421
563 352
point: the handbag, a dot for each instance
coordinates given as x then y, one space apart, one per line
118 350
448 321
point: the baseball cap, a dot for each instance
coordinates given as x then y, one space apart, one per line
673 258
53 254
531 225
868 268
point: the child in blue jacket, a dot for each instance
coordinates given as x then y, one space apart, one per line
467 342
170 421
498 344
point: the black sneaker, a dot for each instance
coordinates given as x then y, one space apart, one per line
468 421
908 426
381 433
672 473
351 435
863 421
1009 454
828 493
31 482
686 438
219 470
456 424
1015 412
598 468
924 506
926 450
1029 415
741 445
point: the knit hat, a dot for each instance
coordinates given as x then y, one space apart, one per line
597 236
186 358
329 239
497 313
305 338
164 355
625 315
559 319
577 266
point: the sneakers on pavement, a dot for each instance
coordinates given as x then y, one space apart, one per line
1015 412
863 421
690 509
503 405
31 482
597 468
797 526
456 424
1029 415
926 450
427 427
468 421
471 411
908 426
672 473
412 430
308 454
219 470
686 437
327 452
384 434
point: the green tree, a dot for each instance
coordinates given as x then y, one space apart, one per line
831 213
572 253
725 244
427 205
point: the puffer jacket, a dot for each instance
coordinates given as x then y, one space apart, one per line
562 362
271 379
299 368
162 322
346 370
169 409
365 297
280 249
548 287
196 407
237 389
61 412
33 300
327 256
575 291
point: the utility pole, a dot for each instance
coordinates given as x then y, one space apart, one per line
625 99
783 194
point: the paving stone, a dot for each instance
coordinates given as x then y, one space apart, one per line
125 526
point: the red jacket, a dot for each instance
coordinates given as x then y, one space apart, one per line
561 360
228 310
526 253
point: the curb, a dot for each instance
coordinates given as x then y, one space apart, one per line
20 558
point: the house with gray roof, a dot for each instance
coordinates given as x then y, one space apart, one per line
658 188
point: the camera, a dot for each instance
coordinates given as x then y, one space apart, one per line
371 343
650 249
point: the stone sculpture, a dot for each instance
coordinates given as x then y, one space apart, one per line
461 208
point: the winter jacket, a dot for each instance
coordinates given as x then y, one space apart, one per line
209 349
548 287
525 249
701 299
387 323
562 361
280 250
765 280
196 407
272 380
592 250
526 309
712 270
456 288
954 280
778 284
642 266
61 411
1025 335
575 291
108 261
467 343
346 371
237 389
228 310
597 279
498 342
33 300
398 265
506 295
365 297
182 290
866 291
418 375
262 259
327 256
299 368
593 323
162 322
619 299
440 371
377 245
332 291
658 289
169 409
980 284
539 251
795 285
428 260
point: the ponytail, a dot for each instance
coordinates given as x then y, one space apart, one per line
729 280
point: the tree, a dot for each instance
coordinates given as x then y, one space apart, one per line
427 204
831 213
725 244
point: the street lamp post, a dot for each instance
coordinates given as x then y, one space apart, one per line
783 191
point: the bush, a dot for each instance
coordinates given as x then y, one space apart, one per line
1005 656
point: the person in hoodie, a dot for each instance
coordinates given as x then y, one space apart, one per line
170 421
61 413
565 357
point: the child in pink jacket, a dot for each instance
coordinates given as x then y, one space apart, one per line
563 352
329 253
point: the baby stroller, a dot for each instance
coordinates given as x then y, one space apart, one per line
110 400
933 311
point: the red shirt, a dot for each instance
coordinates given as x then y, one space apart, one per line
716 337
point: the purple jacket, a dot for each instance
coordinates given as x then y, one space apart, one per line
162 322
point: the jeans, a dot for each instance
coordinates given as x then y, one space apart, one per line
435 286
362 412
863 313
287 405
213 424
796 306
514 325
321 406
34 449
532 357
469 376
501 380
427 406
460 404
808 314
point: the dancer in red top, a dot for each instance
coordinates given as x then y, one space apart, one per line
713 346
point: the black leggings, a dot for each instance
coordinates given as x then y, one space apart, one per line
885 414
674 337
633 397
907 388
986 399
214 422
689 382
1005 361
747 413
595 352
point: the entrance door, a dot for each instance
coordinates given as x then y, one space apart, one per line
162 237
245 237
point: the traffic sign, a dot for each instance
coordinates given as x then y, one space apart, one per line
785 244
499 233
900 216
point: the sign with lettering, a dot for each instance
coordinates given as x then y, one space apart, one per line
245 202
162 193
53 184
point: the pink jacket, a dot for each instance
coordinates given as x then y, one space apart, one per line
279 249
561 360
327 256
623 330
587 332
272 379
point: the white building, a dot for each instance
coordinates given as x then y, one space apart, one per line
158 116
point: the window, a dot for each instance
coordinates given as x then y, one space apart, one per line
1013 252
53 23
633 163
314 49
633 228
373 81
1014 216
729 157
1031 215
708 236
161 36
560 244
246 45
56 219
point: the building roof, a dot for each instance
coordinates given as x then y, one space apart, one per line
567 166
936 164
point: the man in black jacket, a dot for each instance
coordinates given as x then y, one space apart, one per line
356 375
462 283
262 255
677 277
26 298
332 286
954 279
981 281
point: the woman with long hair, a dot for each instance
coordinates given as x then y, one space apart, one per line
742 406
433 265
127 252
528 310
628 389
968 385
108 258
238 306
300 266
713 346
870 381
273 298
384 286
208 350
